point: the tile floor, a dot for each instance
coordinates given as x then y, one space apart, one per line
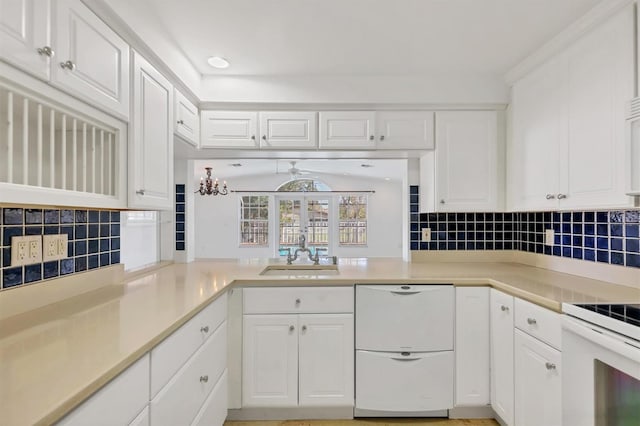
369 422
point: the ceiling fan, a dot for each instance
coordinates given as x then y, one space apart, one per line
293 171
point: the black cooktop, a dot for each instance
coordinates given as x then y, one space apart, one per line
629 313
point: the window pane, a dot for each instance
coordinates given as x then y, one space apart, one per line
352 227
254 221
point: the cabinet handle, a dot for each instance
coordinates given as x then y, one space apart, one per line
562 196
204 329
550 197
68 65
304 328
371 137
180 121
531 321
298 301
264 137
291 328
382 137
442 201
253 137
504 308
204 379
46 51
550 366
140 192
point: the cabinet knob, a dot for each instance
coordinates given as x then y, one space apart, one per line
204 379
371 137
531 321
204 329
442 201
562 196
381 137
140 192
298 301
264 137
291 328
68 65
304 328
253 137
180 121
504 308
46 51
550 366
550 197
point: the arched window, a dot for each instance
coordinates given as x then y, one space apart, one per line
303 185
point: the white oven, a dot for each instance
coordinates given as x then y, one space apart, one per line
601 366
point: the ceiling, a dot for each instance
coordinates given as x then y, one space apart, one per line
355 37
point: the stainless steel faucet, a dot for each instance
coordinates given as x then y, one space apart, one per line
302 249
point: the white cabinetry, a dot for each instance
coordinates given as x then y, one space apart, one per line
502 382
186 123
404 130
151 141
68 45
569 137
472 352
117 403
24 28
288 129
229 129
463 172
347 130
302 359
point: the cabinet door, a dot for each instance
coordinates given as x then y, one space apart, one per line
186 120
214 409
25 28
142 419
288 129
600 82
326 360
92 61
270 361
151 144
404 130
466 161
501 317
229 129
537 382
472 347
347 130
539 132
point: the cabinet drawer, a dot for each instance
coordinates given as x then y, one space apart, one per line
285 300
538 322
180 400
214 410
173 352
142 419
118 402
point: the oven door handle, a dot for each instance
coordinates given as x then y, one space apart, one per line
625 347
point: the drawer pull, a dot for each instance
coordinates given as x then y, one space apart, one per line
68 65
291 328
304 328
204 379
550 366
298 301
504 308
204 329
531 321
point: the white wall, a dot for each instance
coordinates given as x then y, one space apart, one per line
216 218
139 244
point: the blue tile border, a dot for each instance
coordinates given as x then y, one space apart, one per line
180 216
90 232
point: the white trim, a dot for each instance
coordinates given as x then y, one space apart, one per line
586 23
291 106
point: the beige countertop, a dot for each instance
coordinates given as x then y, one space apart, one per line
55 356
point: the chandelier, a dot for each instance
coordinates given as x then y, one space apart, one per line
209 186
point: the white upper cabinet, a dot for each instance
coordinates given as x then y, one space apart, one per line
290 129
186 123
229 129
91 60
404 130
569 137
347 130
25 36
151 141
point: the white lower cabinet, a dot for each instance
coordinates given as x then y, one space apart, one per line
141 419
300 359
537 382
214 410
473 383
501 319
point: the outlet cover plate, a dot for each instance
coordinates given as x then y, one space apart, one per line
426 234
54 247
549 235
26 250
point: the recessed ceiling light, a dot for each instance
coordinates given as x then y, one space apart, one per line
218 62
387 178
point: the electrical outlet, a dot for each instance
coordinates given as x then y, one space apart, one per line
55 247
426 234
26 250
549 235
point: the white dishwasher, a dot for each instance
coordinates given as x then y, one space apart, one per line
404 350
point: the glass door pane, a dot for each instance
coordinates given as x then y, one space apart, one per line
318 225
289 219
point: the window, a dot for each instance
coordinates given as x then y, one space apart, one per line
254 221
352 218
303 185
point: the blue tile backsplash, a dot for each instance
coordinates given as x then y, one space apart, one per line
93 241
597 236
180 216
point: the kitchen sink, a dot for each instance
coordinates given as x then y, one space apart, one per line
301 270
